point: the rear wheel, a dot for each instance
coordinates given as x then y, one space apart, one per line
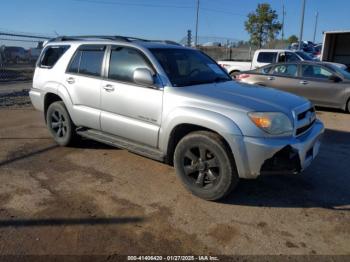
205 165
234 74
60 124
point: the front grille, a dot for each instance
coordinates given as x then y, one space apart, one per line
302 115
303 129
305 121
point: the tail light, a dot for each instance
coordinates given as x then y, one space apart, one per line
224 65
242 76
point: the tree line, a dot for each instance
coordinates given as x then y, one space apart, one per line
264 27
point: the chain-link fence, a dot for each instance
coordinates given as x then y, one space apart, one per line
18 55
223 48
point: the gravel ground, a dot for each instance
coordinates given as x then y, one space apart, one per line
15 94
94 199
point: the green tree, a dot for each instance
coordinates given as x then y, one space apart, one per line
293 39
262 25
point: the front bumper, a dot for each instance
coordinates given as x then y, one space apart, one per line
279 155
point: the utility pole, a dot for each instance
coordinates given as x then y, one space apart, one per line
283 14
316 22
196 39
302 25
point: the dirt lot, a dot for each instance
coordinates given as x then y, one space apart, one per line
94 199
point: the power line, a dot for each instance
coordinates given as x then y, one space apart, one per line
302 24
158 6
197 18
132 4
221 11
315 31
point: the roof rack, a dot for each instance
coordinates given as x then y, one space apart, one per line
109 37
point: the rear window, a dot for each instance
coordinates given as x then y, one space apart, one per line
51 55
267 57
87 60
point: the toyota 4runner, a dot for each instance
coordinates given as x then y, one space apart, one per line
172 104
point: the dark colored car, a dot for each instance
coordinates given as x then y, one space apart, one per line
15 54
325 84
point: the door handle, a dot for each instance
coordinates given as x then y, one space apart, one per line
304 82
108 88
70 80
270 78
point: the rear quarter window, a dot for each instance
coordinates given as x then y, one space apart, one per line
267 57
51 55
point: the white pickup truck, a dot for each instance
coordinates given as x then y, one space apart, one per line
263 57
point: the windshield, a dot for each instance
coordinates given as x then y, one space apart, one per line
186 67
341 71
304 56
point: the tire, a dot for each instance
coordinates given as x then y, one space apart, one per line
205 165
347 109
234 74
60 124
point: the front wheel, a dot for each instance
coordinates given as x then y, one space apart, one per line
234 74
205 165
60 124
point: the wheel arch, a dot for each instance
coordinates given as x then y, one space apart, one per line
185 120
59 94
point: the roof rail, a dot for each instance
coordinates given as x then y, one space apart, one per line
81 37
169 42
109 37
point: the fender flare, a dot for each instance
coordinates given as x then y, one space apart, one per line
217 122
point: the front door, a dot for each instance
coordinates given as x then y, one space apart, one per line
316 85
130 110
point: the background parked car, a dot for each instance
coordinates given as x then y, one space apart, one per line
264 57
14 54
33 54
323 83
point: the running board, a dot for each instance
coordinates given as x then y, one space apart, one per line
119 142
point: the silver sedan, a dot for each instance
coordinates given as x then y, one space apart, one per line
323 83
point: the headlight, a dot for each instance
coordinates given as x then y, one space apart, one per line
273 123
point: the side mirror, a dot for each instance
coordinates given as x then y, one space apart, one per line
143 76
335 78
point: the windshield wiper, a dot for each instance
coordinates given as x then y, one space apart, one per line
202 82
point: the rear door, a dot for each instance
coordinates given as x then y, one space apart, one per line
83 81
284 77
316 85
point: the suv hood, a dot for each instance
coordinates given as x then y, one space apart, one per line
242 97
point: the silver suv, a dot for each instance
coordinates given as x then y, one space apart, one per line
172 104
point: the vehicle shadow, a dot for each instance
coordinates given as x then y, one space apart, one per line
321 109
80 144
84 143
324 184
68 221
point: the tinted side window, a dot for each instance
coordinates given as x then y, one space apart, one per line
123 62
315 72
267 57
291 57
74 65
51 55
87 60
286 70
265 70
